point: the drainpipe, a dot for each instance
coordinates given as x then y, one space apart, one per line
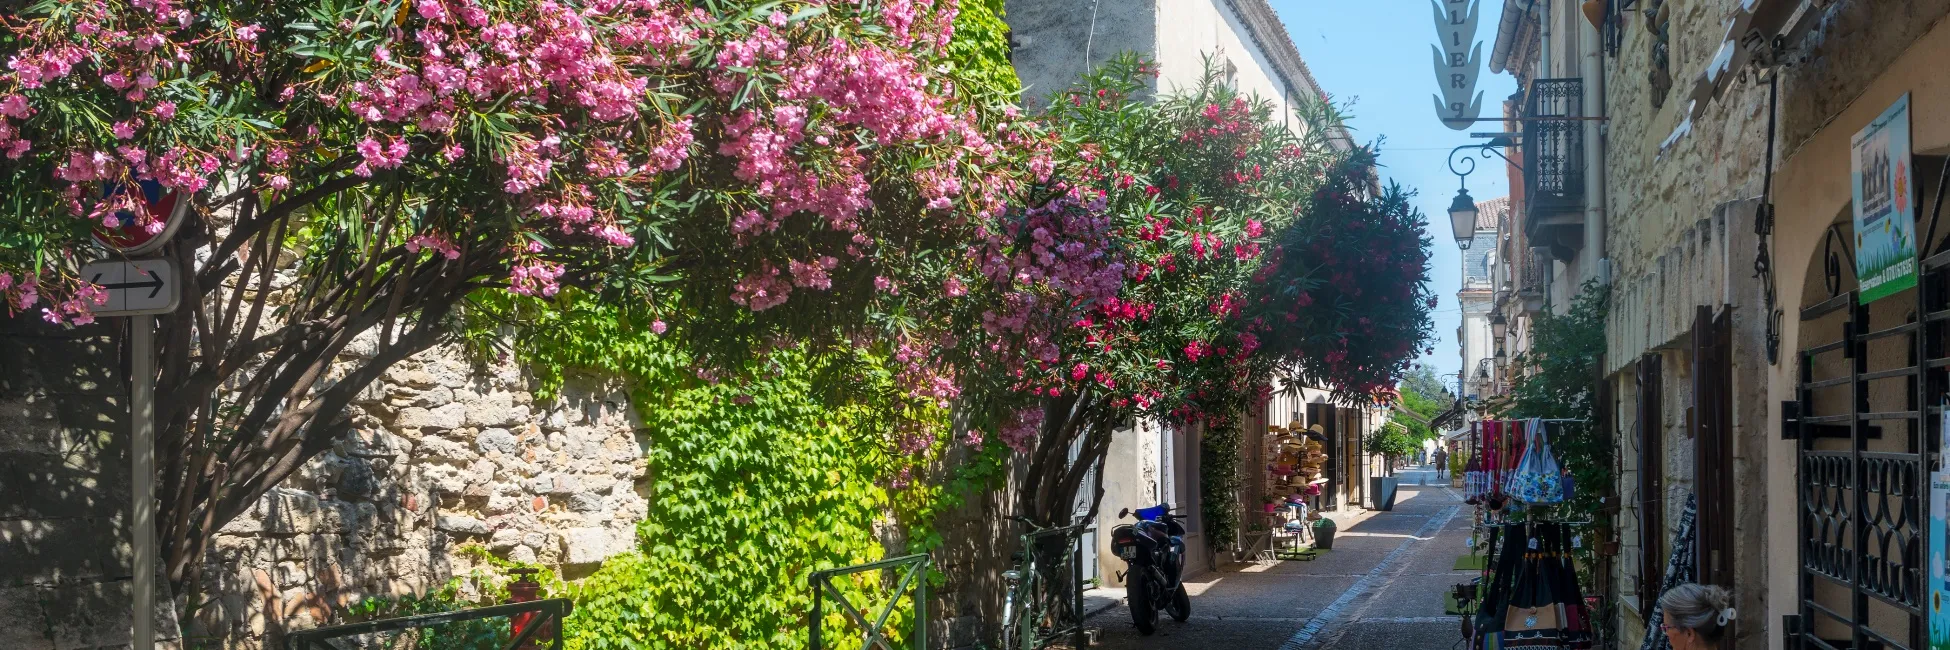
1544 57
1592 62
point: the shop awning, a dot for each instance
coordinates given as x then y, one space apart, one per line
1403 411
1442 420
1751 30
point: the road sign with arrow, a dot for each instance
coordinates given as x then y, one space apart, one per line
135 286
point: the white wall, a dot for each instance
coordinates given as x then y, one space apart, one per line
1188 30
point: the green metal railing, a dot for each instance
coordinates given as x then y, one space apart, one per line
913 580
543 619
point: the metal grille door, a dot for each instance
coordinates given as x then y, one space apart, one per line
1866 374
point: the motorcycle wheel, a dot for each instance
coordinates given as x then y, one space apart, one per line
1144 610
1180 606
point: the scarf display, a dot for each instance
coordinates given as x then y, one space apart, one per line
1681 568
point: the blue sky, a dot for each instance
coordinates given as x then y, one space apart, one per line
1375 53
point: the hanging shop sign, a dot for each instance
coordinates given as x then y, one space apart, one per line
1885 206
1939 537
1458 57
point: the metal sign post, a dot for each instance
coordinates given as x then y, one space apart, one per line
140 289
142 465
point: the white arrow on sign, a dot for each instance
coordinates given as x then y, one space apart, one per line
134 287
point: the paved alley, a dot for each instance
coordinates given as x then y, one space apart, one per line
1381 586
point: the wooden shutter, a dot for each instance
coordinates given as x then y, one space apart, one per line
1712 425
1652 484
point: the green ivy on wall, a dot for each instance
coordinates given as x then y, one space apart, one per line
753 483
981 49
1219 482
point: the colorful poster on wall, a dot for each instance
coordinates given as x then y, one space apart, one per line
1939 537
1939 610
1885 206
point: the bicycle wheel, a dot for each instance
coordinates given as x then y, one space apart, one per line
1023 635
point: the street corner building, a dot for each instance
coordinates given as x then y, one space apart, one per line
1755 185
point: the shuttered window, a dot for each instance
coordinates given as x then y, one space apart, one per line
1652 483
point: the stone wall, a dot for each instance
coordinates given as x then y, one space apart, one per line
445 456
1680 234
64 490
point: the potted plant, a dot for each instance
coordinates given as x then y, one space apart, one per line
1457 465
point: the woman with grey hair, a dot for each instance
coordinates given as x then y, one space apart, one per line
1696 616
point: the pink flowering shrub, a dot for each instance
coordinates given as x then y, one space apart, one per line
1129 284
748 173
550 141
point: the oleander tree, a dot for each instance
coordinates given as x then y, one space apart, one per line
1143 275
756 174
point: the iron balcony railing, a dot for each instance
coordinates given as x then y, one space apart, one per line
1553 154
1534 274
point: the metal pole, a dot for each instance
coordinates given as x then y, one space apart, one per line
921 605
142 467
812 635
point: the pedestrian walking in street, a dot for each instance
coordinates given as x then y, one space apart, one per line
1696 617
1441 463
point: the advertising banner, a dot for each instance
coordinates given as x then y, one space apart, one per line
1885 205
1938 536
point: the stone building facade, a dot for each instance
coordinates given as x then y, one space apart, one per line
1733 330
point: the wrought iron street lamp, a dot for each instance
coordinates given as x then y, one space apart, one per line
1462 211
1462 218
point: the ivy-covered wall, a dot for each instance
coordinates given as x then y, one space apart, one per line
753 482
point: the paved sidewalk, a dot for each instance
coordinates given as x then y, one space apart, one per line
1380 587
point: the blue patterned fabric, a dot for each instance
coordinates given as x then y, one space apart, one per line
1681 568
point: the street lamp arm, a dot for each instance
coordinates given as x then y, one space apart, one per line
1484 150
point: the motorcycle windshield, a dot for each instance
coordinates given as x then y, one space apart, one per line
1152 513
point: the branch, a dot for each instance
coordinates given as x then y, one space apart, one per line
244 229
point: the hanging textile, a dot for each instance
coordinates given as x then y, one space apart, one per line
1532 599
1578 631
1537 479
1475 475
1681 568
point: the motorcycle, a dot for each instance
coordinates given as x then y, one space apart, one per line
1154 548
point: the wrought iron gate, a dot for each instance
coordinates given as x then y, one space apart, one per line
1864 426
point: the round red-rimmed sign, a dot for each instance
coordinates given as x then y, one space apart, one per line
128 236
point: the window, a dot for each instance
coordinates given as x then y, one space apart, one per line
1652 488
1476 260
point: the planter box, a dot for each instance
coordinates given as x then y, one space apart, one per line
1383 488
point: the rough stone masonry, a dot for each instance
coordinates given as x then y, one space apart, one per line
444 456
449 460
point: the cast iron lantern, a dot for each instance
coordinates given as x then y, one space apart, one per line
1462 218
1498 326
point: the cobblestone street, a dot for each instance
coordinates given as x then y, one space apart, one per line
1381 586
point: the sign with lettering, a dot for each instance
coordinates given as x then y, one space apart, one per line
1458 57
1885 205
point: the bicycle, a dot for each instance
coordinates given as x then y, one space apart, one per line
1044 597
